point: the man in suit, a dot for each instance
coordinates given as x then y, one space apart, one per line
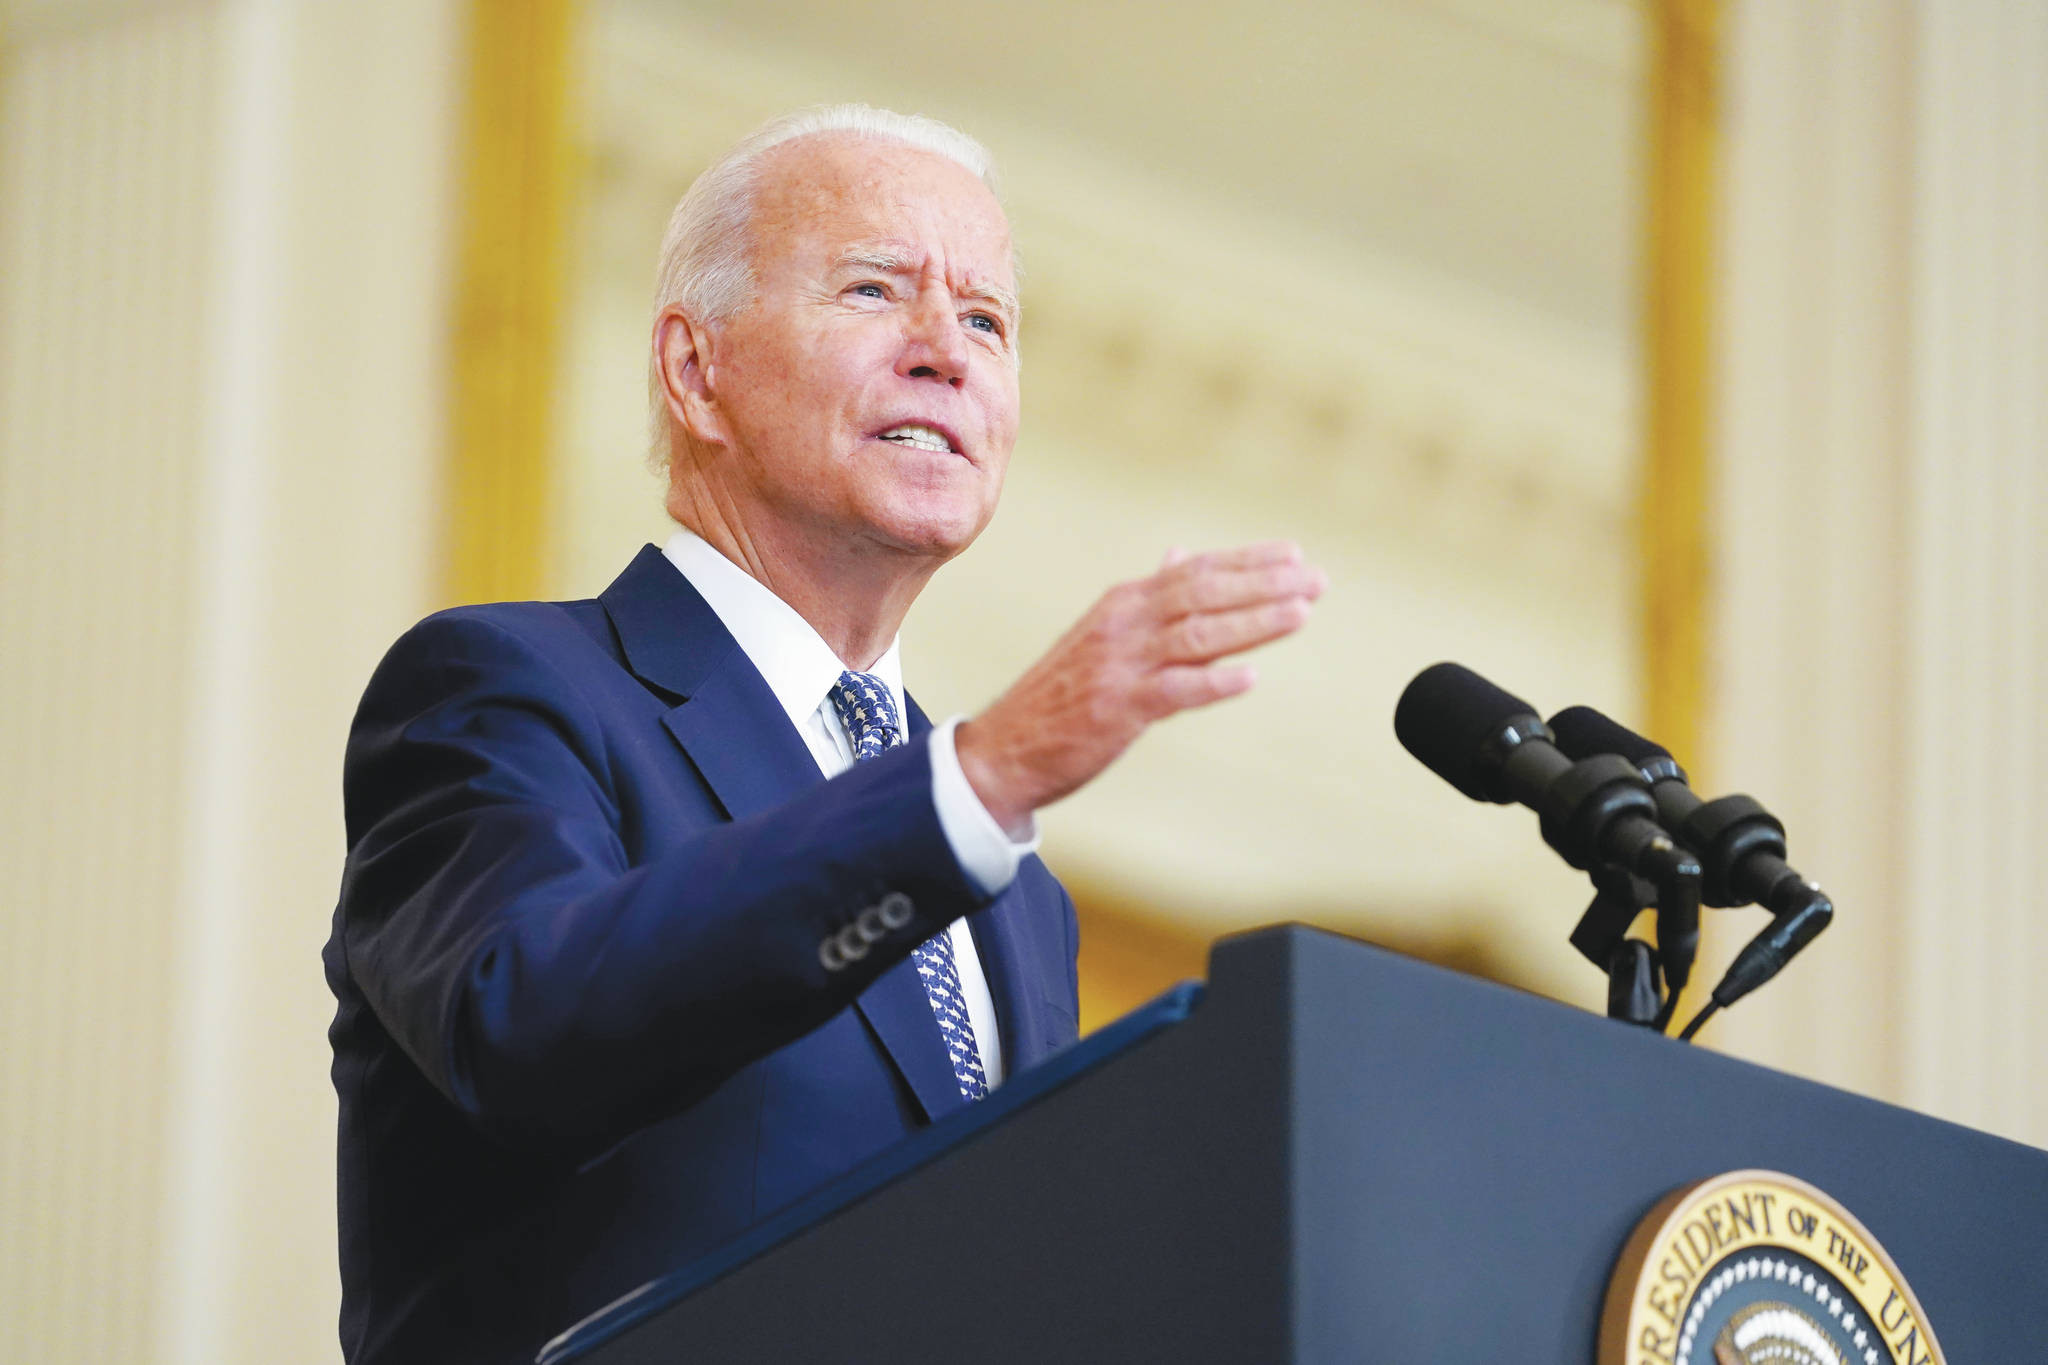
663 909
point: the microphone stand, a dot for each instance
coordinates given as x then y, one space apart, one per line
1599 815
1633 967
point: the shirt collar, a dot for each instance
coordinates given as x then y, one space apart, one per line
791 657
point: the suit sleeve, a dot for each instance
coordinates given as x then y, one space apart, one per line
553 990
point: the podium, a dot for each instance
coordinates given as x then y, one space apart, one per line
1331 1153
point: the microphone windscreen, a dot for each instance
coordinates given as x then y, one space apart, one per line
1583 732
1446 717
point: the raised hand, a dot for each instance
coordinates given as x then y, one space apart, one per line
1147 649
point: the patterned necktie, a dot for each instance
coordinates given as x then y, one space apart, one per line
869 714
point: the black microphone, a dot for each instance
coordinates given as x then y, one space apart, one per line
1741 847
1490 745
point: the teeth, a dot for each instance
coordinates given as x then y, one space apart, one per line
924 438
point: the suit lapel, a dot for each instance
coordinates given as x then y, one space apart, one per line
740 741
727 720
900 1014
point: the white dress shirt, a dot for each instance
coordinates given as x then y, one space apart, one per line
801 669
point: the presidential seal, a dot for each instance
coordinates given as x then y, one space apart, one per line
1758 1268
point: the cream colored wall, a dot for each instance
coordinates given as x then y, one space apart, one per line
96 608
1883 500
220 312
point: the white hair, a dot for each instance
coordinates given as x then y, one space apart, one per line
706 264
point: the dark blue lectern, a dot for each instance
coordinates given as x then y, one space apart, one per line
1331 1154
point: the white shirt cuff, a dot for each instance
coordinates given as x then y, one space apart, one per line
985 853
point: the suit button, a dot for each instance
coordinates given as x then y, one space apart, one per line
895 909
873 929
851 945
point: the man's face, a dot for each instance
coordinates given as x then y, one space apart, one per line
868 395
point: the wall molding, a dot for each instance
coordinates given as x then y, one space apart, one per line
1683 99
517 166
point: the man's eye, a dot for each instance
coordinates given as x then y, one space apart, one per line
987 322
871 291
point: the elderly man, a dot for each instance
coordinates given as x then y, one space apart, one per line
619 970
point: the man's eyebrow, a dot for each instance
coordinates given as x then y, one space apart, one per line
988 292
888 261
875 258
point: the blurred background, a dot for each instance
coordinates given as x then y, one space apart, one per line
1687 359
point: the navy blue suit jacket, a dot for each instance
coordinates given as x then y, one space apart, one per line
584 1032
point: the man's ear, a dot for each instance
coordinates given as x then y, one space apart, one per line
684 354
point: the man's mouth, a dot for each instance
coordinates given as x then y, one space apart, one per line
916 434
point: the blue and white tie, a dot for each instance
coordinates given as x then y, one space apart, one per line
868 712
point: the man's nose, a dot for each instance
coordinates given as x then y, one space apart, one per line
933 346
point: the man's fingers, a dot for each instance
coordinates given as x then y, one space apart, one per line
1187 685
1224 589
1204 636
1181 563
1149 648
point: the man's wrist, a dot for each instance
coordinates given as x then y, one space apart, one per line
984 773
987 850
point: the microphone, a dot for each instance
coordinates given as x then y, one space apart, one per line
1491 746
1741 847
